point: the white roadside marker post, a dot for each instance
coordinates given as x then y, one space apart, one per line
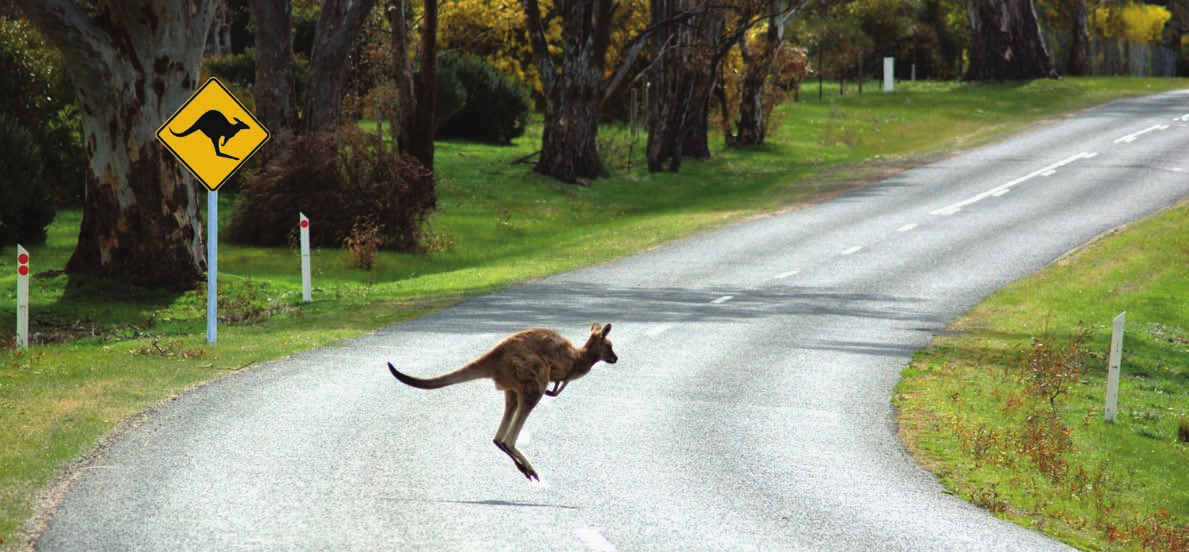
22 298
1112 378
305 258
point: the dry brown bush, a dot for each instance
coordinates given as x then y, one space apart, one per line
337 181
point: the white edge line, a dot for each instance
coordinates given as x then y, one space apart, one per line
784 275
722 299
907 227
852 250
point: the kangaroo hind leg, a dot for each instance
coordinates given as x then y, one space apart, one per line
219 153
516 409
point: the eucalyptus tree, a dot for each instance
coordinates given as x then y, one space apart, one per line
133 63
1005 42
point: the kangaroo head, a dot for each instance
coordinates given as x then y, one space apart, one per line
239 125
600 345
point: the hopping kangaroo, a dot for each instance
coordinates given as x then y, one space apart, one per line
523 365
215 126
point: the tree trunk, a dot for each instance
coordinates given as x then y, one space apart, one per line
421 147
695 125
1080 45
276 95
134 63
682 85
406 95
753 125
756 67
339 22
1006 42
417 105
663 88
569 149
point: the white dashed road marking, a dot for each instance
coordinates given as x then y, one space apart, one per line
1004 188
1131 137
657 330
594 540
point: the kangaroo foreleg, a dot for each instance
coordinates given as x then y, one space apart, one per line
558 387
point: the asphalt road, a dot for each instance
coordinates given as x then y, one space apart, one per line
749 409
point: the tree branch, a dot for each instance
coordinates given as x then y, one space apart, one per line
637 45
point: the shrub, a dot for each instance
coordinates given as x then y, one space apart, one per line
363 183
451 94
362 244
25 207
238 72
496 104
39 96
234 68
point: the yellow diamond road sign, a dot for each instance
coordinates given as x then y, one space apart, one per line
212 134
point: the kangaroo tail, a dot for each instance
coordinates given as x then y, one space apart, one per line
186 132
466 373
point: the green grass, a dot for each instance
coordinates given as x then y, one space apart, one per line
111 351
964 402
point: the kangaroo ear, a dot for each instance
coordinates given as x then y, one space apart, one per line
606 329
595 328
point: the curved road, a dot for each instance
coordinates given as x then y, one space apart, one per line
749 409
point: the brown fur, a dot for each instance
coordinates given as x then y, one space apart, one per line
523 365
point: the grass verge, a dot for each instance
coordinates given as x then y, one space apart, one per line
107 351
1008 411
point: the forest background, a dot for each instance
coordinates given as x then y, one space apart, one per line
458 69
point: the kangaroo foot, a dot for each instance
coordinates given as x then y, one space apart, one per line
520 461
528 471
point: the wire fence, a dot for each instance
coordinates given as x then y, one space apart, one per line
1116 57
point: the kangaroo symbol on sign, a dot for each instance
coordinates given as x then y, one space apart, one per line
215 126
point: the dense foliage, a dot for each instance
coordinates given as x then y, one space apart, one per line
25 210
496 105
39 97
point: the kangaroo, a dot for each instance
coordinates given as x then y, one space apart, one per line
215 126
523 365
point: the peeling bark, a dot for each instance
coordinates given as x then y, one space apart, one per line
1006 42
133 63
757 66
